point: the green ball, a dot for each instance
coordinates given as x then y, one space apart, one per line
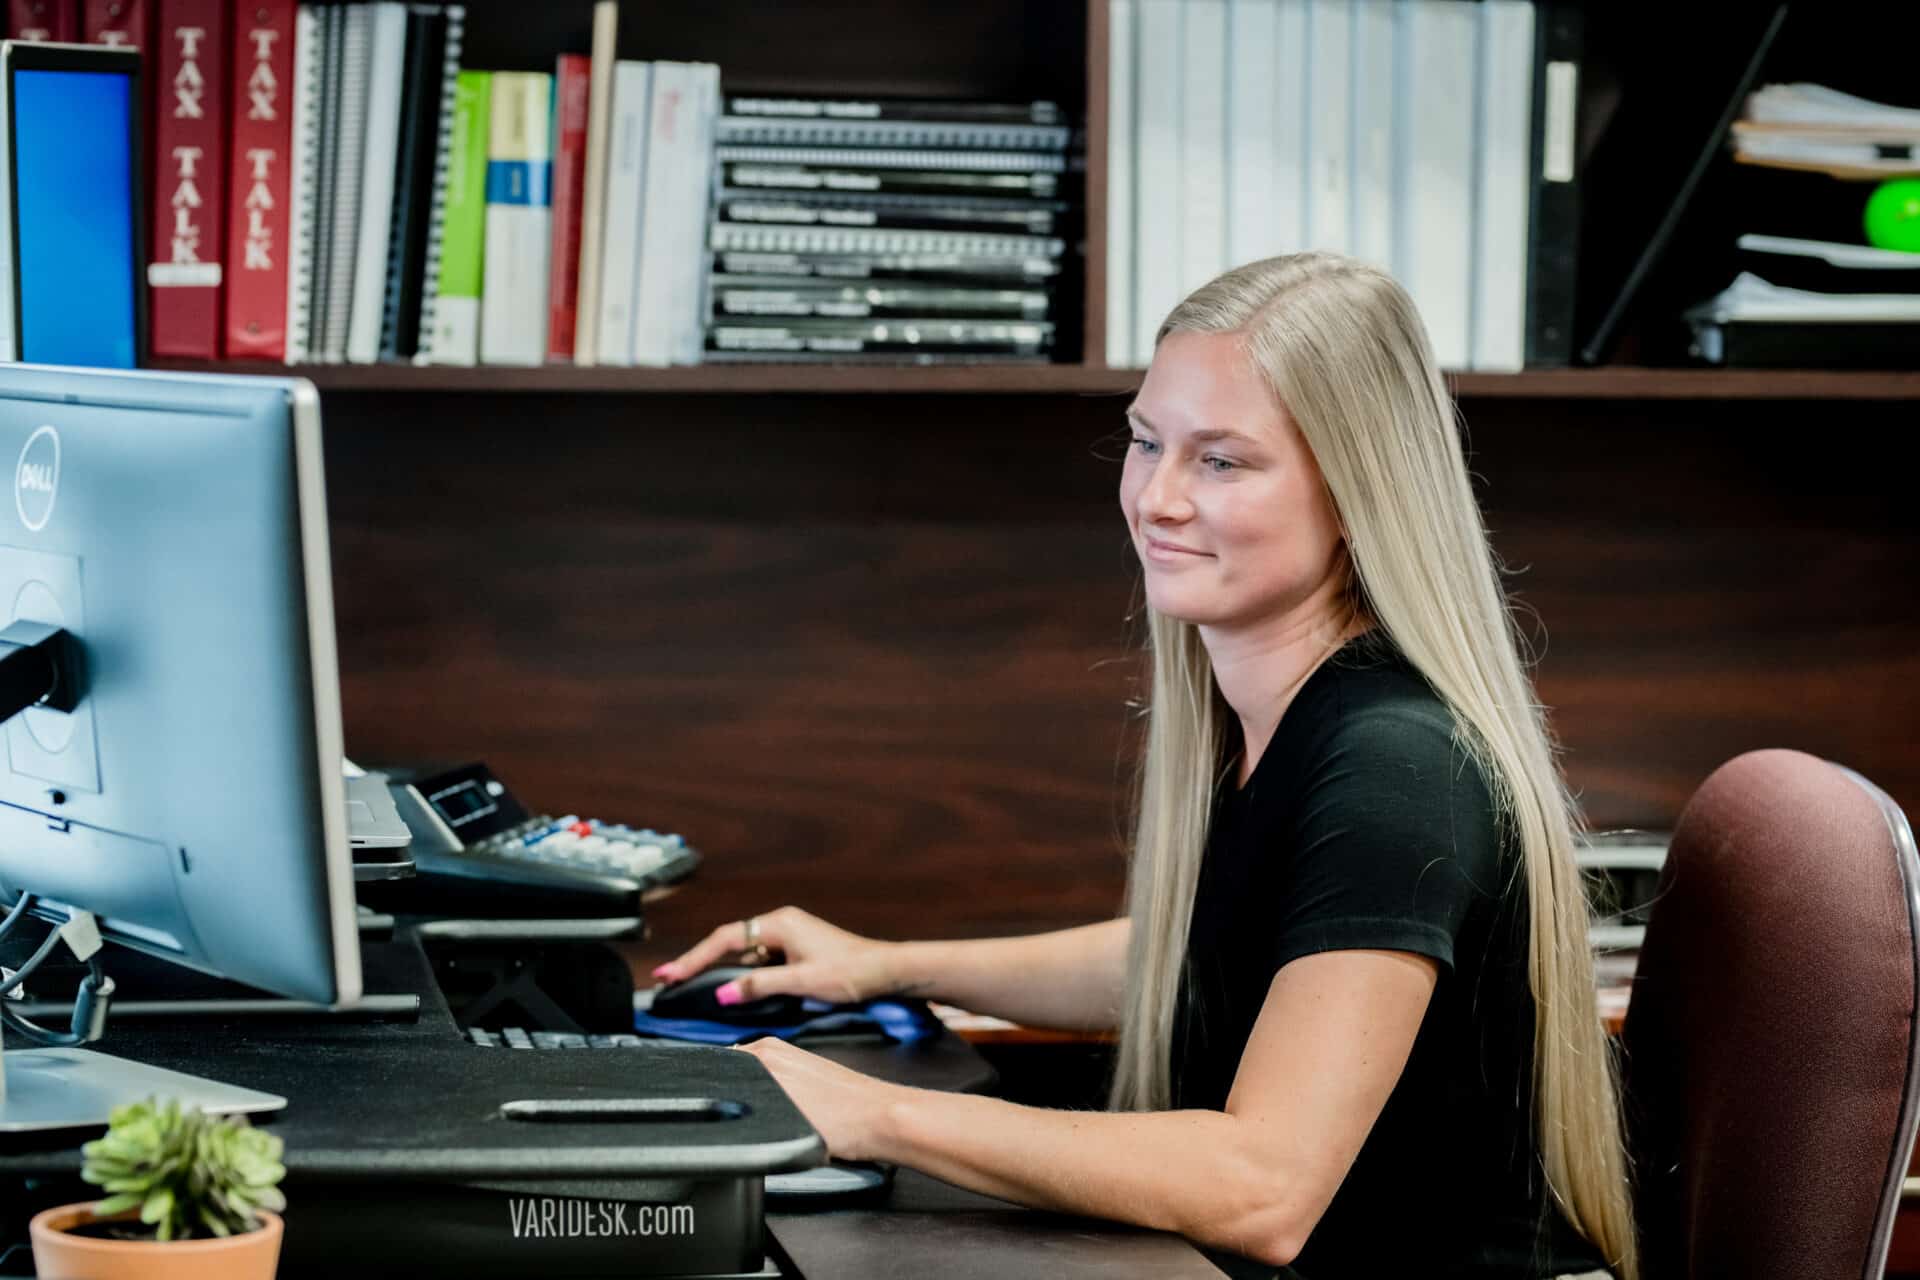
1893 215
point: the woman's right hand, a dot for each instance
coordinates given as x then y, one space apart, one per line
822 961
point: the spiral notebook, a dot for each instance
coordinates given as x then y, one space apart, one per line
429 279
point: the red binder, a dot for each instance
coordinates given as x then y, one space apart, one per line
189 188
569 181
259 224
116 22
43 19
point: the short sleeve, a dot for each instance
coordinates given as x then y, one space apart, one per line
1396 840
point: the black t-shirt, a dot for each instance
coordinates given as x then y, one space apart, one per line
1364 826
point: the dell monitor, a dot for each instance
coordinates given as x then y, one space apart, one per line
171 530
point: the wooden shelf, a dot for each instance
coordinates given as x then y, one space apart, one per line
1067 379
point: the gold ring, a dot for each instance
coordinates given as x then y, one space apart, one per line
755 951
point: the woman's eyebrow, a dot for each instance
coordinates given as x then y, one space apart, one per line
1206 435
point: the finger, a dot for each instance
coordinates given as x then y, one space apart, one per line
725 940
774 980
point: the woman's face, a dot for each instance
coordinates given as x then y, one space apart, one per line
1227 509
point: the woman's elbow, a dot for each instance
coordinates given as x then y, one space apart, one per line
1260 1218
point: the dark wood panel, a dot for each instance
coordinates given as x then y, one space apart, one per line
873 653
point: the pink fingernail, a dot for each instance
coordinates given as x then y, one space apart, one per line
728 994
664 971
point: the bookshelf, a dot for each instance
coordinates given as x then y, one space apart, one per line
1606 383
862 633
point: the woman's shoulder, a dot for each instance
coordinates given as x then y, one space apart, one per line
1372 691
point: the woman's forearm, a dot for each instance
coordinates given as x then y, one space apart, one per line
1071 979
1192 1172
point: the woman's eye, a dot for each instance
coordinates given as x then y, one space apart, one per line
1216 463
1146 446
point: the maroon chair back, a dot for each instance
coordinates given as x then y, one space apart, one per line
1770 1050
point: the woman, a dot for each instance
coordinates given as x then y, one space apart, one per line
1353 990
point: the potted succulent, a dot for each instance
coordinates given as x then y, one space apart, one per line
188 1196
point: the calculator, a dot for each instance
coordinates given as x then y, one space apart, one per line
478 850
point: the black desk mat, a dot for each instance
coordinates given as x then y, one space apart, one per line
414 1100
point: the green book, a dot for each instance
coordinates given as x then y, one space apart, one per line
456 308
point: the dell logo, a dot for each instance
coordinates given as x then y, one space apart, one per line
36 478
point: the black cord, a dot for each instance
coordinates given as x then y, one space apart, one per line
25 971
14 916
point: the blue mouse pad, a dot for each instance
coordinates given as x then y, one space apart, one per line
902 1021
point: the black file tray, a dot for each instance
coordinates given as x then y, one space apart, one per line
401 1156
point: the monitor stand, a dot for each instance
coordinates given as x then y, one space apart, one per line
47 1089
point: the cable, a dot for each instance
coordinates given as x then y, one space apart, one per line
25 971
89 1020
14 916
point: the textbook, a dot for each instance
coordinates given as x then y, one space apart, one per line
513 296
456 311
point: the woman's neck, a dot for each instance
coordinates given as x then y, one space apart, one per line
1260 670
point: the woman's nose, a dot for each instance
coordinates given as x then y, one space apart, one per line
1164 496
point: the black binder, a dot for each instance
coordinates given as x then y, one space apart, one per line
413 182
1553 219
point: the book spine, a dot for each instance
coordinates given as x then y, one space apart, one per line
1040 112
572 94
301 182
513 310
331 24
589 306
456 312
625 183
858 181
1203 144
120 23
1123 154
454 40
670 132
353 65
786 239
918 268
44 20
257 221
1434 238
806 211
190 176
387 62
1504 186
694 209
1158 180
763 131
412 182
880 158
1554 215
1329 125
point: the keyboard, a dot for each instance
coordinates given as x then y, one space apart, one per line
520 1038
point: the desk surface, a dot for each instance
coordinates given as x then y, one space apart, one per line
926 1229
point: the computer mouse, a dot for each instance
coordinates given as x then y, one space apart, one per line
693 998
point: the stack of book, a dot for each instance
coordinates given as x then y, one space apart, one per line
1433 138
1800 301
889 231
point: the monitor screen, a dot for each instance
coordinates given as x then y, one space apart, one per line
174 525
73 185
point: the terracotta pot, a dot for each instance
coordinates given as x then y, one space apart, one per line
60 1255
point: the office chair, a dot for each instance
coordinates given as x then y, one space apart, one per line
1771 1060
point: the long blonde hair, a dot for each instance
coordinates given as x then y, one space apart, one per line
1340 345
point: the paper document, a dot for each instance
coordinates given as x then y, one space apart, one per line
1750 298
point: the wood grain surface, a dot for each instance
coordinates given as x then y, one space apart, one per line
873 654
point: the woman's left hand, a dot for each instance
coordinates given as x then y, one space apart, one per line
849 1109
